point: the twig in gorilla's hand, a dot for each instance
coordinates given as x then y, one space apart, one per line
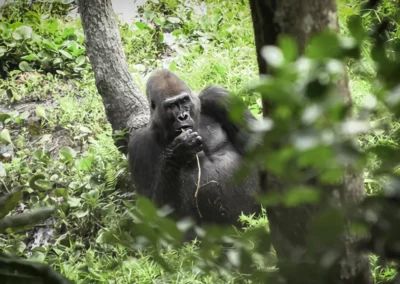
198 185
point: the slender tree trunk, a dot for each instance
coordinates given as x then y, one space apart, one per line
125 106
289 226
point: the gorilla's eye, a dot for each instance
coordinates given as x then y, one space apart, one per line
153 105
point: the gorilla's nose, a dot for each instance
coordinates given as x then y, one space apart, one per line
183 116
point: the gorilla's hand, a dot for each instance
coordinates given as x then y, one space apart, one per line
185 146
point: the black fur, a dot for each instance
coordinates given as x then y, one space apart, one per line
163 160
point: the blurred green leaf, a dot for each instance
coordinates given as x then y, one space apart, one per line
25 66
67 154
40 111
9 202
301 195
38 182
24 220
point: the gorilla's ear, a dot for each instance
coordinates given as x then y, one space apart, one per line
153 105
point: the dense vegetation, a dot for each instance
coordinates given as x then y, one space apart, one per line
57 149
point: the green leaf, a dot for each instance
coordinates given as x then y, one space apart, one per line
9 202
288 47
272 55
3 50
22 33
161 37
37 256
182 51
61 72
4 29
85 164
3 172
61 192
45 63
172 66
24 66
356 28
80 60
5 136
68 32
66 54
24 220
142 26
67 154
38 154
146 207
74 201
84 129
52 26
40 111
324 45
49 45
24 115
38 182
4 116
299 196
30 57
81 213
58 60
173 20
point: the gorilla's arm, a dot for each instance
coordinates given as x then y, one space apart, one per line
214 103
156 171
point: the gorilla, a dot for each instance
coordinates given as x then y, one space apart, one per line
188 132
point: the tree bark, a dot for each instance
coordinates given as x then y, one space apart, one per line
125 106
289 226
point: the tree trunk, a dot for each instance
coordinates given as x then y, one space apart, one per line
289 226
125 106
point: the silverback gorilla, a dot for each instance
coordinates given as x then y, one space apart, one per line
163 161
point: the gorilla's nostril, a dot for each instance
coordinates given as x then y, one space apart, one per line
183 117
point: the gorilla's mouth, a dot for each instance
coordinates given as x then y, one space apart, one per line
183 128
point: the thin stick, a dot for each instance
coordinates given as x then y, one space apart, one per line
198 186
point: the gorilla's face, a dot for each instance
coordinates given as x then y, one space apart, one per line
178 110
178 113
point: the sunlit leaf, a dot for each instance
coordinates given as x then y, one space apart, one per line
142 26
173 20
66 54
74 201
65 2
273 55
67 154
80 60
22 33
40 111
5 136
85 164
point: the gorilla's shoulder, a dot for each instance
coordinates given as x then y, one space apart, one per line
213 92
